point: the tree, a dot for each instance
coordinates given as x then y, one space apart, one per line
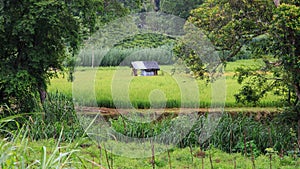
38 39
273 32
133 5
285 46
179 8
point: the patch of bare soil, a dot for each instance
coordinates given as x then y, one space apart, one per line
257 112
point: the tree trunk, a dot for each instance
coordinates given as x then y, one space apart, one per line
277 3
156 4
298 132
43 95
297 89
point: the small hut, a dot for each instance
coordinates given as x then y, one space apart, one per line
146 68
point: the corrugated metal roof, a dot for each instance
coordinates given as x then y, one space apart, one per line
145 65
138 65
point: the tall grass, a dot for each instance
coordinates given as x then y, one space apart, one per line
20 151
15 152
58 114
234 133
26 147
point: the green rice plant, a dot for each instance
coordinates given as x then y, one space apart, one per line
141 89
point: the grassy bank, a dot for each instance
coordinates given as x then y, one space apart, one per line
23 153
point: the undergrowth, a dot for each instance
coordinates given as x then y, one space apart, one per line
55 139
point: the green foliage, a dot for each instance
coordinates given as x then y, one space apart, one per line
17 90
40 40
112 9
250 147
285 33
255 85
133 5
189 57
263 133
9 123
139 47
50 154
230 25
272 34
36 40
17 152
148 40
280 54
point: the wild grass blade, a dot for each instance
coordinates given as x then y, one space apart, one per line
44 158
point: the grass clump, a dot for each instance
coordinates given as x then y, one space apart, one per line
58 115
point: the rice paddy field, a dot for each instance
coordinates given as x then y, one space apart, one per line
115 87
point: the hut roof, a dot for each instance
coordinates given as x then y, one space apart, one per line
143 65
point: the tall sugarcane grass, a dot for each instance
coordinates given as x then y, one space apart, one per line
122 56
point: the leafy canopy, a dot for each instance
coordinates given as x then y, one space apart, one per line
271 32
38 39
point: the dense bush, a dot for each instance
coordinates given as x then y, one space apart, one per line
146 40
17 93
